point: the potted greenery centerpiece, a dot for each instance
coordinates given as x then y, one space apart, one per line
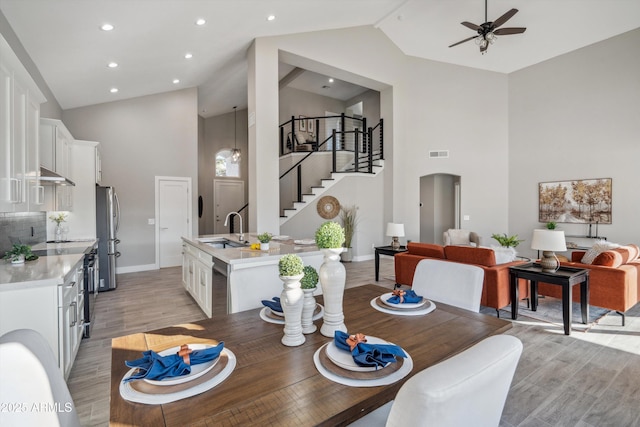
309 284
264 239
330 238
349 218
19 253
507 241
507 251
291 270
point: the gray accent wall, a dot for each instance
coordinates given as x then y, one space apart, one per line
142 138
577 116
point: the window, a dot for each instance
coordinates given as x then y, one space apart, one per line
224 165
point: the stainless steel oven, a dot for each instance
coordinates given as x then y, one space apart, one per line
91 277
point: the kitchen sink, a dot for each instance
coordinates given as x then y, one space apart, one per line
222 243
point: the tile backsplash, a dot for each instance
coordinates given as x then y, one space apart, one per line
27 228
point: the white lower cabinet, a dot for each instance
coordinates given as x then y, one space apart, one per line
197 272
55 311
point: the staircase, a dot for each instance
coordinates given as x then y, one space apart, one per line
325 185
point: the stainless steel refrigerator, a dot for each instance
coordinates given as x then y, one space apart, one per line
107 223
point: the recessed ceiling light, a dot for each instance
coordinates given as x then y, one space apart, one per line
107 27
114 90
112 64
330 80
188 55
176 81
200 21
271 18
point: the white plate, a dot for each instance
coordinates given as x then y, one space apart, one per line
305 242
196 370
277 313
344 359
407 305
280 237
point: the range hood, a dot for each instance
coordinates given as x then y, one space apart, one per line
47 175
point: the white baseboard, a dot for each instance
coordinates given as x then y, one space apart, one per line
136 268
363 257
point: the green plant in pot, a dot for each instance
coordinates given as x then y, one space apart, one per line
310 278
349 217
264 239
329 235
507 241
20 253
290 265
551 225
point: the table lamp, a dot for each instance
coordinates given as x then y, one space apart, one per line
395 231
548 241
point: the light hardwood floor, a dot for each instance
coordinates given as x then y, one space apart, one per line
584 380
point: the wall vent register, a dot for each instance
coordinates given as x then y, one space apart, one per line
439 154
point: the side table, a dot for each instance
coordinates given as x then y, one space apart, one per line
386 250
566 277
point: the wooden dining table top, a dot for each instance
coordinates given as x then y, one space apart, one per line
273 384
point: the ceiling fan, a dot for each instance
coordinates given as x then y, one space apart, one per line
488 31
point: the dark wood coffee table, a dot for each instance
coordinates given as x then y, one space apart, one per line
564 276
386 250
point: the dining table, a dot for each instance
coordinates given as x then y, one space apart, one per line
274 384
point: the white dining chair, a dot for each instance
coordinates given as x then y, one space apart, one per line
31 381
449 282
468 389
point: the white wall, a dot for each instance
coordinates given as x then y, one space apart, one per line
426 105
577 117
141 138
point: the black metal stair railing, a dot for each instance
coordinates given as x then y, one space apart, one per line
359 141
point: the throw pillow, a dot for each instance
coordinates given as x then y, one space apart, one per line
504 255
596 250
608 259
629 252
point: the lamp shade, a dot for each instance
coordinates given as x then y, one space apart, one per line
395 230
548 240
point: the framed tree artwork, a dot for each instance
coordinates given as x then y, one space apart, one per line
585 201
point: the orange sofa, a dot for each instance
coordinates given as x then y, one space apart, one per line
614 279
496 290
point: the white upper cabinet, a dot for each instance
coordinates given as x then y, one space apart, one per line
20 101
56 153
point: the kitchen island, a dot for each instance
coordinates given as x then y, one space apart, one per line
220 265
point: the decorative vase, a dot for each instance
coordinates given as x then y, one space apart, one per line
291 300
264 246
17 259
58 233
332 278
308 307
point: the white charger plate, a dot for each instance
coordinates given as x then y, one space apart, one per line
305 242
280 237
276 313
344 359
196 370
406 305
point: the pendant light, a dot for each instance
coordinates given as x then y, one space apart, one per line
235 153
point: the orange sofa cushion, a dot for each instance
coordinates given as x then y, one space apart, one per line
628 252
470 255
425 249
608 259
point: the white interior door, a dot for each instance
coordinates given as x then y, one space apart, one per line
228 196
173 219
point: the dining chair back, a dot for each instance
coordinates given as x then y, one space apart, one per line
449 282
468 389
32 381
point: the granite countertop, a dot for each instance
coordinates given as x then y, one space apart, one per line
246 255
45 271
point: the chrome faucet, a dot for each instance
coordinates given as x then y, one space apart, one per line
226 221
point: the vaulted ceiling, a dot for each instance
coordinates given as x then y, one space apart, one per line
151 38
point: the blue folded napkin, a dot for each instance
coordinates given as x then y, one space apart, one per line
152 366
370 355
409 297
274 305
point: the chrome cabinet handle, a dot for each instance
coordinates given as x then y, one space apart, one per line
75 314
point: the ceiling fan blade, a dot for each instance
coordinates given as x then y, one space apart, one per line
504 18
465 40
506 31
474 27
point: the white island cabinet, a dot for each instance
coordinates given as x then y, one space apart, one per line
46 295
246 276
